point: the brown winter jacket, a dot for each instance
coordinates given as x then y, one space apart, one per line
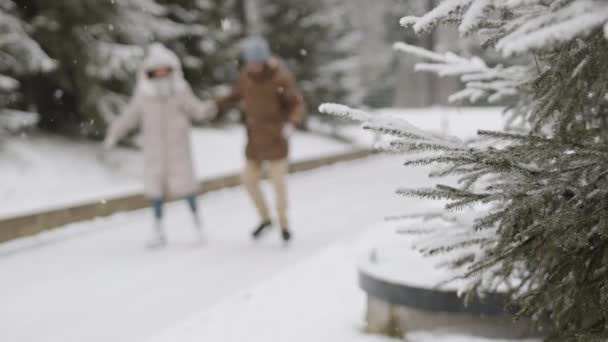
271 100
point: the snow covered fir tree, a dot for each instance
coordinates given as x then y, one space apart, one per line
20 57
539 188
209 52
74 62
97 46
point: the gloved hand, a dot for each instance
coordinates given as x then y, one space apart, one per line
212 110
206 112
288 130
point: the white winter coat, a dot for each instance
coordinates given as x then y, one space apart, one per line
163 110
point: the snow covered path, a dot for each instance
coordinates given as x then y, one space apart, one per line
94 282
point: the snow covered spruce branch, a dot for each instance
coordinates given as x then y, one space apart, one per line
408 137
493 84
113 60
522 26
8 83
13 121
19 53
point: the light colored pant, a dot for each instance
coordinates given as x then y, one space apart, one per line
277 172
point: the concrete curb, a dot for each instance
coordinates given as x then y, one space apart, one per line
27 225
432 300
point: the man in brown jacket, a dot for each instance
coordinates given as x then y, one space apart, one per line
273 105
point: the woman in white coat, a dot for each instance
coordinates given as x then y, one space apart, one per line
163 107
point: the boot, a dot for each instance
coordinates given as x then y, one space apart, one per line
286 235
198 223
262 228
198 227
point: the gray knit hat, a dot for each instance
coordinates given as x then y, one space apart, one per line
256 50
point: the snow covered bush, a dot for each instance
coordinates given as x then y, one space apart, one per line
542 195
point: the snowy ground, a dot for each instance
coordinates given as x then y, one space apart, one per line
315 300
42 172
93 281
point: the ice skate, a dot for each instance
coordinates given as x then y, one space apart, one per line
158 239
261 230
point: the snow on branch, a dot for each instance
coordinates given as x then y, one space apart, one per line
517 3
474 16
115 60
530 24
146 6
19 53
345 111
8 83
550 29
395 126
482 82
447 64
147 20
14 120
447 10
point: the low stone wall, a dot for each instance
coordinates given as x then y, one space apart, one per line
395 310
27 225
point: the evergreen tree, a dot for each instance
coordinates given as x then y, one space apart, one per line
382 91
210 52
316 42
98 45
20 55
542 227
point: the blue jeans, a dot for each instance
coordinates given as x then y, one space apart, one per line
158 204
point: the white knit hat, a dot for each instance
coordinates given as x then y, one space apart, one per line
159 56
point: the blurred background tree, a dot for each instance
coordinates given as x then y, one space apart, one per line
75 61
209 52
318 44
97 46
20 55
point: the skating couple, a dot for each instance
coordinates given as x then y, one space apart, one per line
163 107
